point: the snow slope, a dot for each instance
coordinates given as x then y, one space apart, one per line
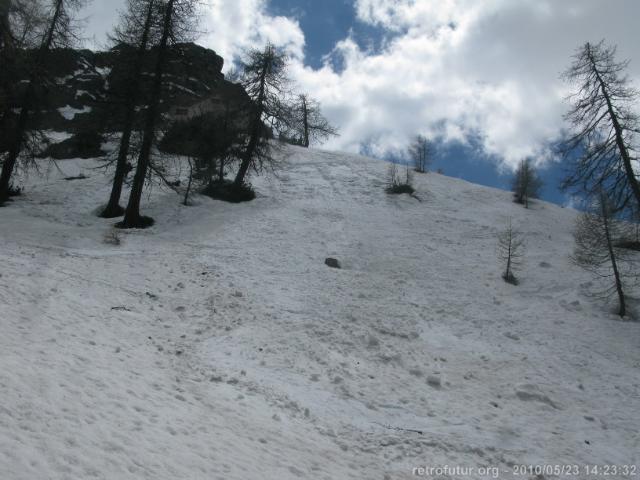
217 345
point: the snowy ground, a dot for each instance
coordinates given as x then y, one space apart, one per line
217 345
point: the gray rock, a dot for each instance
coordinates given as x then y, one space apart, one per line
332 262
434 381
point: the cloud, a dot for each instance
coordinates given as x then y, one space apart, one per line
233 26
453 69
396 15
467 69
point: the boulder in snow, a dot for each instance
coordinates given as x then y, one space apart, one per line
332 262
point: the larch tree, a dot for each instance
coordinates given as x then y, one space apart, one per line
60 32
602 147
421 153
264 77
176 23
19 19
309 124
526 183
8 72
21 23
510 252
7 40
135 31
596 235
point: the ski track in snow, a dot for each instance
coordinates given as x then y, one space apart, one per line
217 345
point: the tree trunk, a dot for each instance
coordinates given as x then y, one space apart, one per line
188 191
132 217
221 171
305 119
23 119
113 208
507 273
614 264
227 133
244 168
10 161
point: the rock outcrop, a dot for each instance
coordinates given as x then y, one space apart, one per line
85 94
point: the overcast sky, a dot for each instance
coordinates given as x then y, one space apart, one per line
480 74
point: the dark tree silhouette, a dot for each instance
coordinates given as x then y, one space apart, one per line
510 252
398 183
177 16
526 183
7 40
265 79
60 32
602 147
309 123
21 24
135 30
421 153
595 235
8 71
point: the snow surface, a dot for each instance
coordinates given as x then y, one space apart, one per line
103 71
57 136
69 113
80 93
217 345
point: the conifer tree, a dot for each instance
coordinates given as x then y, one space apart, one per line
602 149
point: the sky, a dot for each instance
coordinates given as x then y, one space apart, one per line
480 78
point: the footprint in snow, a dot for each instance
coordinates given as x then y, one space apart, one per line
532 393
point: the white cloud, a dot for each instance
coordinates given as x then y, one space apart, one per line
426 15
452 68
235 25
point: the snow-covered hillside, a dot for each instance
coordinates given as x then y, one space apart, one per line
218 346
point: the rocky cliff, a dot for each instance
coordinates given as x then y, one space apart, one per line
84 96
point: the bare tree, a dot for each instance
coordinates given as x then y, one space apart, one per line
421 153
526 183
596 233
8 72
309 123
264 77
60 32
398 182
21 23
510 252
7 40
135 31
177 17
602 148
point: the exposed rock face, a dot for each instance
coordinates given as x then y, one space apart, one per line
86 91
